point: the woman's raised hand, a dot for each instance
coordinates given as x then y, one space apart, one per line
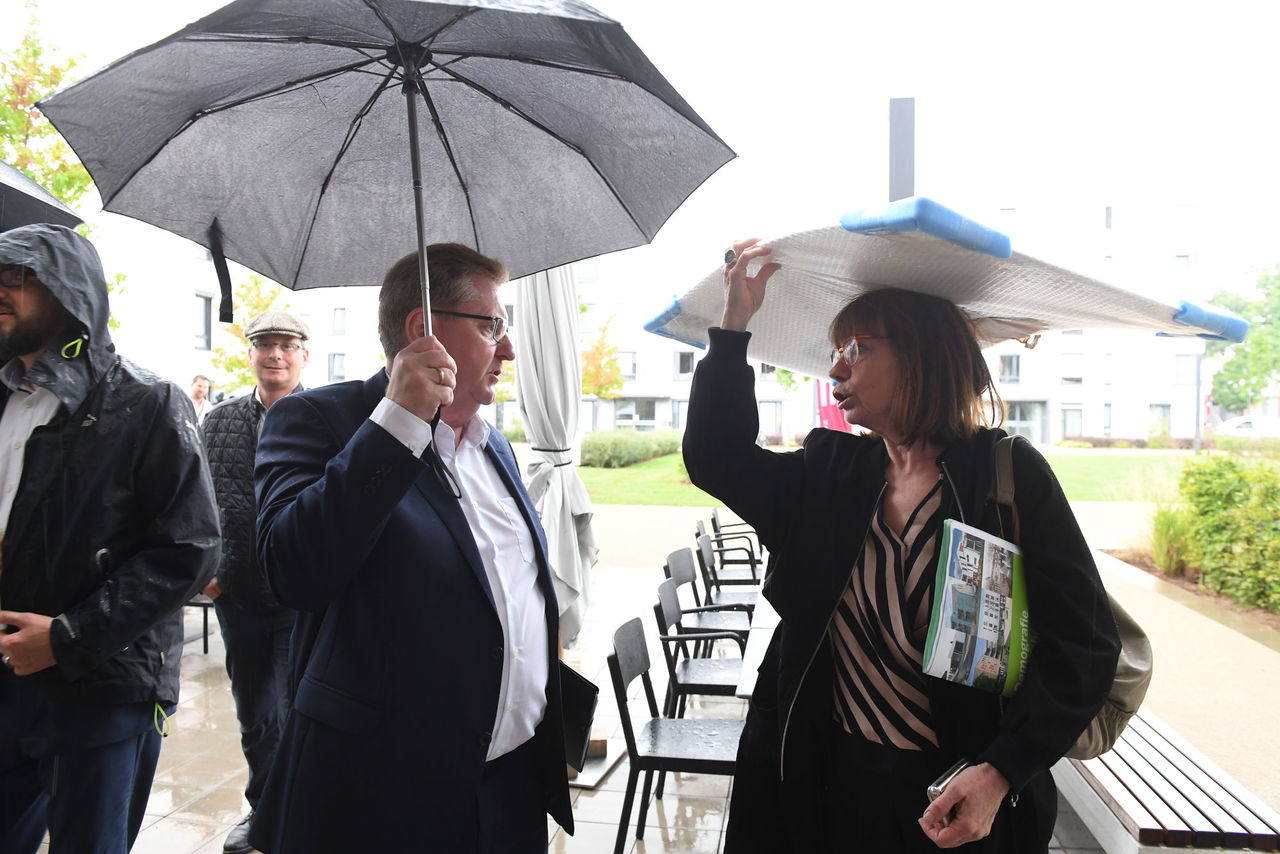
743 294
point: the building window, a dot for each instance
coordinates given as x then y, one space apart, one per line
1161 416
1072 368
1106 419
1022 417
204 322
339 321
1010 369
684 364
1072 421
771 420
627 364
1184 368
679 414
636 412
337 367
766 368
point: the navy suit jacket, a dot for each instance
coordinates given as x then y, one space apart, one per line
397 652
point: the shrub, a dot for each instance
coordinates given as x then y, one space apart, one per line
1170 538
514 432
1249 447
1233 535
1122 443
1075 443
800 437
773 438
619 448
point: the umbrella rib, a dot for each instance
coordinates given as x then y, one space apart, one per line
453 161
248 39
551 133
286 86
352 130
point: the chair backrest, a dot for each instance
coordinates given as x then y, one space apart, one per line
715 520
707 562
701 529
629 659
667 614
680 569
668 608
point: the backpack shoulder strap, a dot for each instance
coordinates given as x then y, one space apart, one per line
1002 486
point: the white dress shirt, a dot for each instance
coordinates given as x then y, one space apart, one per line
29 406
506 546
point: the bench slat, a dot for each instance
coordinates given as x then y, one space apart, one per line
1176 831
1248 811
1208 797
1204 833
1140 823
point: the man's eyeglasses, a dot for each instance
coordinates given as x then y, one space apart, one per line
850 352
268 346
497 332
13 275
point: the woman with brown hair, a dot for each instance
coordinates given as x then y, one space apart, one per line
845 731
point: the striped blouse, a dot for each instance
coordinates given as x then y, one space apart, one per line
878 631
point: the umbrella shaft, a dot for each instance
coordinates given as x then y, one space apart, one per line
416 164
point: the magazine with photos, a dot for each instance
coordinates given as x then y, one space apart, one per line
980 630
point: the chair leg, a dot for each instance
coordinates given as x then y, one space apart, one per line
644 803
624 823
205 639
662 779
681 704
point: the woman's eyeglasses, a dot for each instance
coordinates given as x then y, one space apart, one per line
851 351
497 331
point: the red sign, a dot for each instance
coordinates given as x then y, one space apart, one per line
829 414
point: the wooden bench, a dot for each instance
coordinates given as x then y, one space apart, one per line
1155 792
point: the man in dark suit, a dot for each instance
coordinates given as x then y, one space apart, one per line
426 711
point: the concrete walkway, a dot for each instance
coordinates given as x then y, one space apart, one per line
1216 678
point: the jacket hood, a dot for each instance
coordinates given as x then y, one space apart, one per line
68 265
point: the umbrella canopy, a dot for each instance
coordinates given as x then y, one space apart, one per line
549 386
24 202
920 245
546 135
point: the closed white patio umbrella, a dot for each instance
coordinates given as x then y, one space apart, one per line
549 386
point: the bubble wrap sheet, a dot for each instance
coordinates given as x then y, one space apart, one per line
825 268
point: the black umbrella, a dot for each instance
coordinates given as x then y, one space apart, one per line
284 130
23 202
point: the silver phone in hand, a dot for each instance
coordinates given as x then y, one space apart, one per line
938 786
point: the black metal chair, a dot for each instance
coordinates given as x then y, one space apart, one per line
679 567
738 563
710 571
688 673
696 746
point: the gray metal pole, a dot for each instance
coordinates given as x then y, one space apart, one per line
902 148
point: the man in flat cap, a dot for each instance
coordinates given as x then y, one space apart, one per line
255 627
108 526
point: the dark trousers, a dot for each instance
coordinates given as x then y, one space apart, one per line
877 793
258 664
83 772
511 809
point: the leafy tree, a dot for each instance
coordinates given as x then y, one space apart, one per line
601 373
788 381
28 141
252 297
1253 366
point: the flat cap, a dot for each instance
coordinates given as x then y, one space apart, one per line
275 322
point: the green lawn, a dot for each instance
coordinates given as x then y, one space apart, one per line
1085 476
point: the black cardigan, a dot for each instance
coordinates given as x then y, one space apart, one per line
812 509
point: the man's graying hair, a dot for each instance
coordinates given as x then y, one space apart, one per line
450 267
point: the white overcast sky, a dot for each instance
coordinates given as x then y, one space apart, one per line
1056 109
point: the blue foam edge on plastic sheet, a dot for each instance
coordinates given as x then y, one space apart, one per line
658 326
1216 326
921 214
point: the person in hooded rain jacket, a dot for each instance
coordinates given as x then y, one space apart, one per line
109 526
